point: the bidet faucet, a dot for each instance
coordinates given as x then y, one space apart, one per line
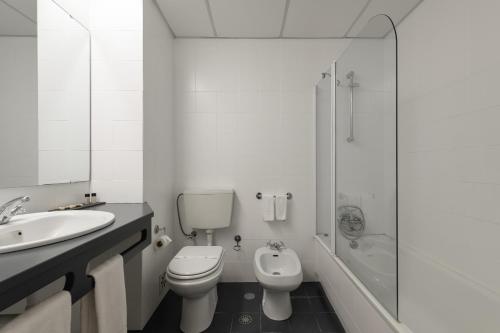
6 212
276 245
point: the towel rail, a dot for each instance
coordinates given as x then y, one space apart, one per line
259 195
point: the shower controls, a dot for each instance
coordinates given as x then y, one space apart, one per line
351 222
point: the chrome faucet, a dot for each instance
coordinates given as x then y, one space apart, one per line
276 245
7 212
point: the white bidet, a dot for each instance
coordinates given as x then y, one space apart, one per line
279 272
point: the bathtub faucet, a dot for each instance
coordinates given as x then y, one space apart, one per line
276 245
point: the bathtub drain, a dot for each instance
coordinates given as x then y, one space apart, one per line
276 273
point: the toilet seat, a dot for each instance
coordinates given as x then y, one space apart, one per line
194 262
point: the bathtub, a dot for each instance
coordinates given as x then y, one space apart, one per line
374 263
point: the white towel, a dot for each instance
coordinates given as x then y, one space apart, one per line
50 316
104 310
268 207
281 202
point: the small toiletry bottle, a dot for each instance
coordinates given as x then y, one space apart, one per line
87 198
93 198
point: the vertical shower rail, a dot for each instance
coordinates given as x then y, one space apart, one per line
352 85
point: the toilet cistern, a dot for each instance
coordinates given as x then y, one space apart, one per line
208 210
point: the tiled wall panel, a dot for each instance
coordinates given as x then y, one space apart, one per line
449 138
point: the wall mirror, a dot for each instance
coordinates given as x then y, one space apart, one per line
44 95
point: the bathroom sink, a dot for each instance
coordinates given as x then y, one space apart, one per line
32 230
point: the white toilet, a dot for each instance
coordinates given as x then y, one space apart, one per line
279 272
194 272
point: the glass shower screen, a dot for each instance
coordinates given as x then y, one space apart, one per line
324 158
366 161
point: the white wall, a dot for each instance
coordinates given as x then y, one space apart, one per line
158 148
117 145
449 222
244 119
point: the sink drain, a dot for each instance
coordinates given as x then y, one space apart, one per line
245 319
249 296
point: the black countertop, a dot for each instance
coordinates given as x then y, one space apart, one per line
24 272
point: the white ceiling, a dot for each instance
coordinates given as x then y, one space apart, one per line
277 18
17 17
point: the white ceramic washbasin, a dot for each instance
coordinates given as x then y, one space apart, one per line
32 230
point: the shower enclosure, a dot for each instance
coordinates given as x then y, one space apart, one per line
364 209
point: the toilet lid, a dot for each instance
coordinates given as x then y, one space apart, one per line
195 260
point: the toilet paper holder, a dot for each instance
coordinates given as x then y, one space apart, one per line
259 195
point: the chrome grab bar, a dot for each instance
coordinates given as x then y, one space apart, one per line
352 85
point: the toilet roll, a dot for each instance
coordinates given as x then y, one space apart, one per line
163 242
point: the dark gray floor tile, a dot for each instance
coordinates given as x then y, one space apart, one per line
314 289
299 292
320 304
310 312
303 322
269 325
167 316
245 322
232 297
301 305
329 323
220 324
232 305
237 288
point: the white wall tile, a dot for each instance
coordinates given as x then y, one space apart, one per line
116 15
227 102
206 101
122 191
116 75
117 45
102 135
448 153
117 99
127 165
186 101
117 105
127 135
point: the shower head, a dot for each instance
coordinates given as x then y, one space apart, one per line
350 75
325 74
